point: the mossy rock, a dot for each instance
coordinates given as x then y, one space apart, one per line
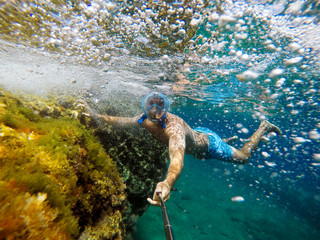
51 162
26 216
141 160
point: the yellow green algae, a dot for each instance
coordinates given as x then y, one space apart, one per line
56 180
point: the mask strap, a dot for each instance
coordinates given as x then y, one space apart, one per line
143 117
162 120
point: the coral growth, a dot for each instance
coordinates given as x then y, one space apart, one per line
57 182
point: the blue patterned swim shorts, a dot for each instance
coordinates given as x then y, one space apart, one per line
218 149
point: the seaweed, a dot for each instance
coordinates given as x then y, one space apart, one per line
51 156
26 216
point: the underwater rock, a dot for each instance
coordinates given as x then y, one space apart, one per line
62 159
56 180
141 161
28 216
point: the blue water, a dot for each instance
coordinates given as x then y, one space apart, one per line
281 201
202 208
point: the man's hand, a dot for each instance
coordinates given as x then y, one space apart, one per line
164 188
88 115
85 108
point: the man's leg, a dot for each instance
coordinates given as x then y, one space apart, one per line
230 140
243 155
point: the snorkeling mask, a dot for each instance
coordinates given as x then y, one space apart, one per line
155 105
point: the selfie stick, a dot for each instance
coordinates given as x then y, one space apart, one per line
166 223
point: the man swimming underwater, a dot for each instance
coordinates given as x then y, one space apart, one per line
175 133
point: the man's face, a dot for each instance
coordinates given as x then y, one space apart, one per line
156 109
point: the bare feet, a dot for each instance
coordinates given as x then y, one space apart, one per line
270 127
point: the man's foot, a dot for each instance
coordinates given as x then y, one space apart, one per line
270 127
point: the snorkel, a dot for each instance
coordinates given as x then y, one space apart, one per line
155 106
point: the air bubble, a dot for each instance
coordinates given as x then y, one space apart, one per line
226 19
294 46
314 135
280 82
195 22
295 7
298 81
277 72
270 164
239 125
271 47
244 130
274 96
248 76
292 61
182 32
316 156
237 199
300 140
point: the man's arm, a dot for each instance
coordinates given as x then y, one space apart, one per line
114 121
120 121
176 154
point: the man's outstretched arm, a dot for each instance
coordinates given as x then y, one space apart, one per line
114 121
120 121
176 154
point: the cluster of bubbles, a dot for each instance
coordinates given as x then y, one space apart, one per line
203 31
143 27
97 29
263 44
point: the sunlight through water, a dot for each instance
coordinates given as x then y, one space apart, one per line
226 65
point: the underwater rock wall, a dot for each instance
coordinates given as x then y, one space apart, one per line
56 180
141 161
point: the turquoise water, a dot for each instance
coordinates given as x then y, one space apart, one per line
202 209
225 65
280 201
